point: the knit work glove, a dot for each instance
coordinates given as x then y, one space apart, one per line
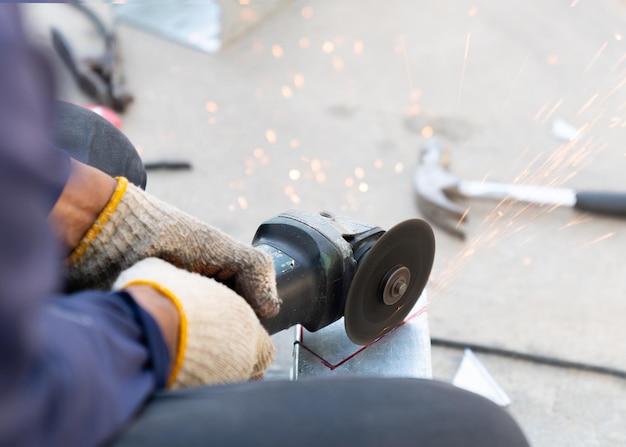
135 225
221 340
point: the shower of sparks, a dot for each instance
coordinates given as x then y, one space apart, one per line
504 220
363 187
551 168
597 55
328 47
378 163
211 107
458 99
359 173
294 174
509 218
398 168
472 12
294 144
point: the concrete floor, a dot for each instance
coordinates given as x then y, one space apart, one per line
324 105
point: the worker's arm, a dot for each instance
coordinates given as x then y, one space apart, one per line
73 370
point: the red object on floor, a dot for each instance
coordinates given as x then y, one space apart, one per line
107 113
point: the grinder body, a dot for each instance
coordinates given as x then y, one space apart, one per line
316 256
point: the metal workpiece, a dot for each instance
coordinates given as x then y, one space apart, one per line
403 352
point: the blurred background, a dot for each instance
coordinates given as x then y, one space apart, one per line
293 104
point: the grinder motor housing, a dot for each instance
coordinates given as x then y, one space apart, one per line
316 258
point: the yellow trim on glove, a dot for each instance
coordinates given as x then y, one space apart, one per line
182 332
102 219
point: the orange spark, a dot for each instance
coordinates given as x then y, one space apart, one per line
358 47
270 135
458 100
599 239
277 51
519 73
307 12
585 218
462 218
551 112
328 47
597 55
588 103
286 91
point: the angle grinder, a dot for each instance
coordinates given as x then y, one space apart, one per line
328 267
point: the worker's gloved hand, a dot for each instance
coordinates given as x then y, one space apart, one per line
135 225
221 340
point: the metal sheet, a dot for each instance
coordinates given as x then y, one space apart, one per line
194 24
404 352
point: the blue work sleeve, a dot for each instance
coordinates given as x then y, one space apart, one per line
98 357
73 370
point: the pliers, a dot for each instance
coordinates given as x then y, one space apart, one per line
100 77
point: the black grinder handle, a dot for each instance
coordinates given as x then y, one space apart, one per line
311 274
599 202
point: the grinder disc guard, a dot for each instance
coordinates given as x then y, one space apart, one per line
389 280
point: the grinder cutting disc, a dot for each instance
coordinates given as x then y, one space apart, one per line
389 280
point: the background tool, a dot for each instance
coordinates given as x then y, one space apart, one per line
330 266
98 77
435 185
